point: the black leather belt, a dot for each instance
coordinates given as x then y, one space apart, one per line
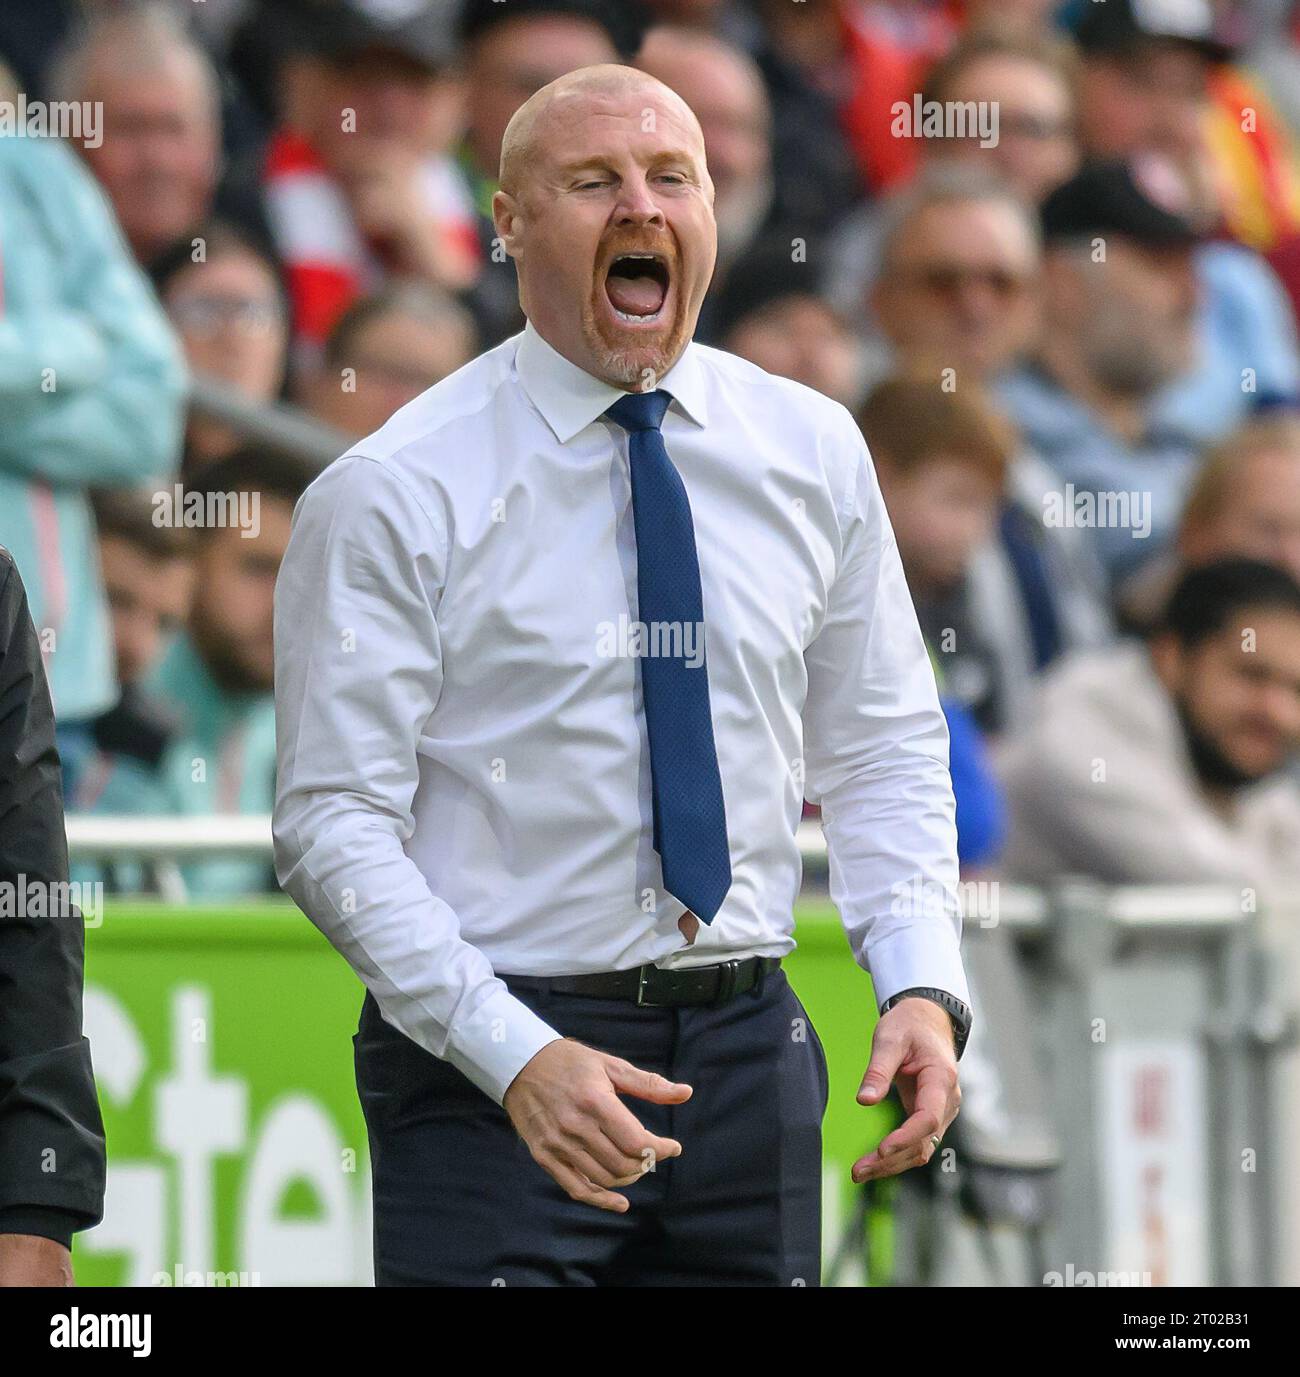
653 986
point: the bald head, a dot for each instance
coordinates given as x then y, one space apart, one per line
569 98
606 207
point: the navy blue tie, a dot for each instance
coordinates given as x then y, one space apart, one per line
690 822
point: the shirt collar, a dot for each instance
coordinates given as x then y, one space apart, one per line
570 398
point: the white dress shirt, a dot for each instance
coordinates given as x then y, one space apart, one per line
463 766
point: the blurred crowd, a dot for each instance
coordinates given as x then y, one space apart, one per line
1048 254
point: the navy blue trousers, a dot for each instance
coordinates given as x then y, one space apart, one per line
459 1201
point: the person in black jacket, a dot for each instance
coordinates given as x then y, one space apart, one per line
51 1135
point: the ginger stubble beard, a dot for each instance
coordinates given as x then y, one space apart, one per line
628 356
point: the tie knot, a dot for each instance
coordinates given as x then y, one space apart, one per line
640 410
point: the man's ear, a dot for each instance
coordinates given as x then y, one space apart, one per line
507 219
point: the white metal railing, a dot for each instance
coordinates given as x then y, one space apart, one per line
168 841
169 838
186 838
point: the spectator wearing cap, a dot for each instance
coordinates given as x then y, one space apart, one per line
1120 301
770 312
359 184
159 152
91 380
509 52
216 678
384 352
1159 78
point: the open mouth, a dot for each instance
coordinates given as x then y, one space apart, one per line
637 286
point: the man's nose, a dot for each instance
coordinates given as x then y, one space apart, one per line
636 204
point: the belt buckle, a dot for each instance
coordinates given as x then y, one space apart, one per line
641 979
728 973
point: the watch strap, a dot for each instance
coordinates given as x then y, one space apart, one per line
957 1010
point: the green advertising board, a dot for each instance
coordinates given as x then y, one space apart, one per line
236 1147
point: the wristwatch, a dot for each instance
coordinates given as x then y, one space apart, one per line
957 1011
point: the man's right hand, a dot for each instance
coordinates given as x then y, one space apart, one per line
565 1106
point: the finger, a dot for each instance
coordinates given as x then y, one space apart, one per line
877 1166
597 1173
927 1118
645 1085
650 1154
911 1143
632 1137
887 1052
588 1137
577 1187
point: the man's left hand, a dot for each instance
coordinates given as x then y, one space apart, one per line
913 1043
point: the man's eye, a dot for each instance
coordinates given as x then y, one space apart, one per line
584 186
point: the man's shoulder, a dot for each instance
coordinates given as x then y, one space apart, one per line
460 396
397 457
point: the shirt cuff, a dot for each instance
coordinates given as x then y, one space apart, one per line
901 962
497 1041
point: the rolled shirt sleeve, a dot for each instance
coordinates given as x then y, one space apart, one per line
358 672
876 756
